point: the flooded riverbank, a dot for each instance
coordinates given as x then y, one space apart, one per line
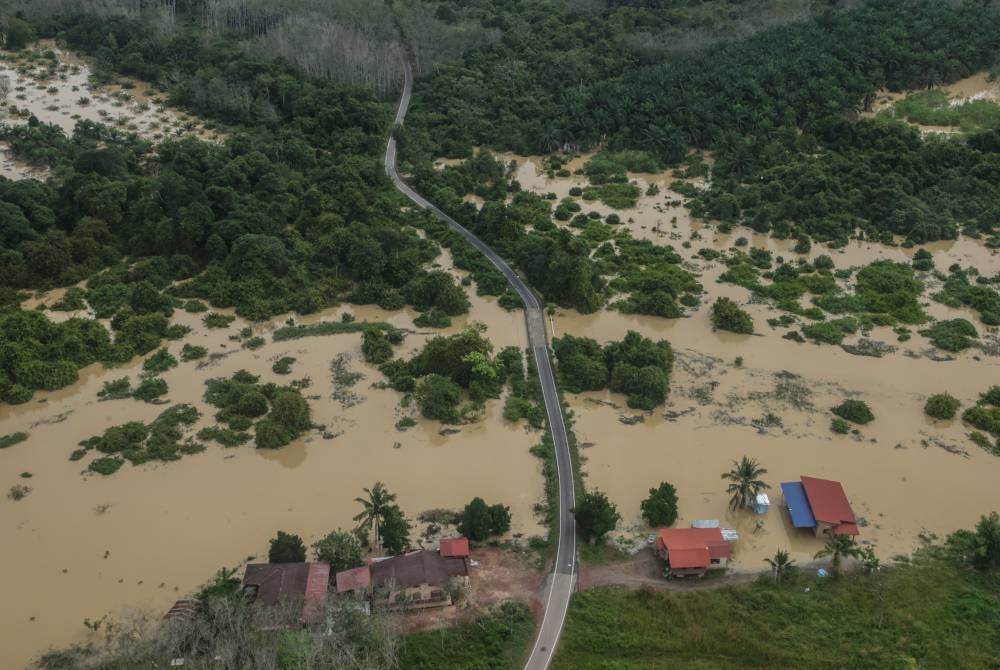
83 546
903 471
55 86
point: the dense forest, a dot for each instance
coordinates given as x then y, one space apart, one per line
778 110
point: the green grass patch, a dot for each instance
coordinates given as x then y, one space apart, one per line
930 614
495 641
936 108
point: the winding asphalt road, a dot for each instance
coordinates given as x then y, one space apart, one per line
563 578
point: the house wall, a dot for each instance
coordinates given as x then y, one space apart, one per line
823 529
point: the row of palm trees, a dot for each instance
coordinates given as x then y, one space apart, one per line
745 484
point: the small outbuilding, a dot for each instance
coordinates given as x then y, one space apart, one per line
762 504
820 505
455 547
693 551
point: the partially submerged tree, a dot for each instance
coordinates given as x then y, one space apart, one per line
660 508
480 521
596 516
374 505
745 482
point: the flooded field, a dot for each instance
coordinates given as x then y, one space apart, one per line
55 87
82 546
903 473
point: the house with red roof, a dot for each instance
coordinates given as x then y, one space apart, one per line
455 547
693 551
820 505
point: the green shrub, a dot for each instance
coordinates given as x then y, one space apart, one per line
983 417
150 389
941 406
840 426
159 362
855 411
283 366
726 315
433 318
951 335
116 389
831 332
191 352
216 320
12 439
106 465
224 436
376 347
195 306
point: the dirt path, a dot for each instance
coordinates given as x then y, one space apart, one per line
646 570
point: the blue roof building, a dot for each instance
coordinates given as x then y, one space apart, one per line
798 505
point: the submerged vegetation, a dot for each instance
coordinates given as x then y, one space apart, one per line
277 414
636 366
138 443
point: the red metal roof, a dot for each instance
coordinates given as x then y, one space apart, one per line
682 559
829 504
692 547
455 546
356 578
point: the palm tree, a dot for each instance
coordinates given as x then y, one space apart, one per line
780 564
373 508
745 482
837 548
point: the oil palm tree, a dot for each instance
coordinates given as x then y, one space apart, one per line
837 548
780 564
745 482
373 508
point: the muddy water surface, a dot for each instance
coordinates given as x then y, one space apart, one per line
909 478
84 546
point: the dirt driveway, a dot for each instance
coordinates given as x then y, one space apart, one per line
645 569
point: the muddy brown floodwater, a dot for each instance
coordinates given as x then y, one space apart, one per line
907 477
82 546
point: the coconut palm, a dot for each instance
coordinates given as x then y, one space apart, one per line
745 483
373 508
837 548
780 564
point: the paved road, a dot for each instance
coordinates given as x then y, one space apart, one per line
562 580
